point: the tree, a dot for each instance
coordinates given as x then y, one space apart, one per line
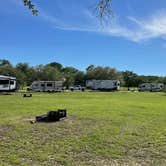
25 73
90 67
56 65
21 78
7 70
79 78
23 67
130 79
164 80
47 73
51 73
69 73
4 62
103 73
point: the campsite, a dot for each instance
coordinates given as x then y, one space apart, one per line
110 128
82 83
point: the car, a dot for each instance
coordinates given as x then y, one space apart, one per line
77 88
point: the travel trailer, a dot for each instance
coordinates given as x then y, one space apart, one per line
105 85
151 87
7 83
46 86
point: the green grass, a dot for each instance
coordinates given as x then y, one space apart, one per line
101 129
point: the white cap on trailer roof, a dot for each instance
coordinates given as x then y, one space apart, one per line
7 77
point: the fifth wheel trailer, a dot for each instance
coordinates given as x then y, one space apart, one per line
7 83
46 86
103 85
151 87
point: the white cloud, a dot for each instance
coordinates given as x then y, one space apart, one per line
90 25
152 27
143 29
134 29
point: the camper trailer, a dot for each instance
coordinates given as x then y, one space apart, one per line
46 86
103 85
151 87
7 83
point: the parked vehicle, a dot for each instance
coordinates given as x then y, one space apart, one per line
76 87
46 86
151 87
103 85
7 83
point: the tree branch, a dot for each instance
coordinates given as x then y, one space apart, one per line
31 7
103 8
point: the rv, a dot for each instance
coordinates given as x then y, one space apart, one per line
151 87
105 85
7 83
46 86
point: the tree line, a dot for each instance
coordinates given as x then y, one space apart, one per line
53 71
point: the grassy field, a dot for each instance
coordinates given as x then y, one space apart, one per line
120 128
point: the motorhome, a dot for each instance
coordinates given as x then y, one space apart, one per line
7 83
105 85
151 87
46 86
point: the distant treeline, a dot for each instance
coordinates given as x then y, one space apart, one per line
26 74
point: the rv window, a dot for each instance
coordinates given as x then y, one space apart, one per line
11 82
42 85
4 82
49 84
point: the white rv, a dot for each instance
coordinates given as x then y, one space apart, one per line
151 87
7 83
46 86
105 85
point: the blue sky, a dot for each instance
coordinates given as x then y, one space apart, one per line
69 32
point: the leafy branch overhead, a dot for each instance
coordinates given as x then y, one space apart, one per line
103 8
31 7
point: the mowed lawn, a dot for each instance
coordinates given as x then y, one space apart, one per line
102 128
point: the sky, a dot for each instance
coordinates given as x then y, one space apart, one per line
69 32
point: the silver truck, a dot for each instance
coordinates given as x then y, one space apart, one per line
46 86
151 87
103 85
77 88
